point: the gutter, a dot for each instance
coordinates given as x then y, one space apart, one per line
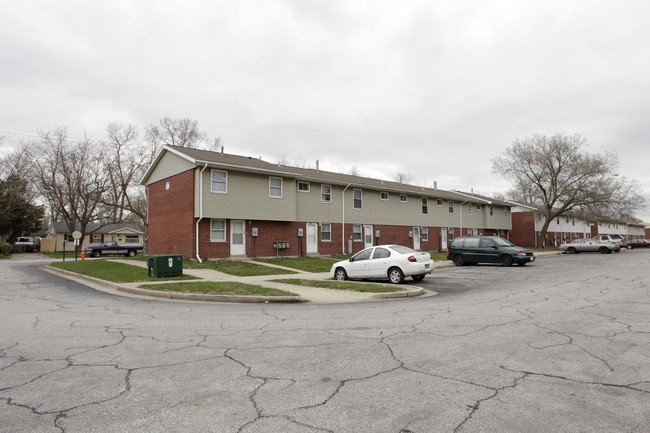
343 218
198 257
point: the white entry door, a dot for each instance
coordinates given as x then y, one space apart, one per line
416 238
237 238
443 238
367 236
312 238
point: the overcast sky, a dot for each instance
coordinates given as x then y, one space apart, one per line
435 89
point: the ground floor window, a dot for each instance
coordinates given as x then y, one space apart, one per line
356 232
425 233
132 239
326 232
217 230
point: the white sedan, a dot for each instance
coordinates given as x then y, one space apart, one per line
384 261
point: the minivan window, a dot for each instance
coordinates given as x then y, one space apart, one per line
471 243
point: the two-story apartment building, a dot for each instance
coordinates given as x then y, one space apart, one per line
215 205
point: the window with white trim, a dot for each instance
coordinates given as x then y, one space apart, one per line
97 238
451 206
356 232
303 186
219 182
383 195
491 210
478 207
403 198
425 205
425 233
326 194
132 239
469 208
217 230
326 232
357 199
275 187
439 202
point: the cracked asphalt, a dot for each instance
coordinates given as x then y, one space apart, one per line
561 345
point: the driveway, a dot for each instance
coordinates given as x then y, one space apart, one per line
560 345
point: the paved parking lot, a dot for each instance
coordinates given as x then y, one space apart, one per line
561 345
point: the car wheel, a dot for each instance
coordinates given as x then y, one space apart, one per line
603 250
629 247
571 250
131 253
96 253
418 277
506 260
395 275
340 274
459 260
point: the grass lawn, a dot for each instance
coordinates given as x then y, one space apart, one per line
111 271
307 264
342 285
222 288
240 269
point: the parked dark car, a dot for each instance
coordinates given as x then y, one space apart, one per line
469 250
112 248
638 243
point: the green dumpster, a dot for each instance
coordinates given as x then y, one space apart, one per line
165 265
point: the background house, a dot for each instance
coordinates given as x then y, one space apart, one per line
216 205
59 235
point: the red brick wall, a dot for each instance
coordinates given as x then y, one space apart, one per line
171 216
523 229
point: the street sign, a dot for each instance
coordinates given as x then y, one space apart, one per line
76 234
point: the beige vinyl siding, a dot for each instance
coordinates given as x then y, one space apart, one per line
311 209
247 198
497 221
169 165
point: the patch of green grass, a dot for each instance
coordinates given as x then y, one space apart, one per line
439 257
307 264
341 285
223 288
240 269
112 271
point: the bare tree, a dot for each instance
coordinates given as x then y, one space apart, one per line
404 178
178 132
70 177
557 175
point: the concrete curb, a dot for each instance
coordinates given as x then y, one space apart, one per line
211 297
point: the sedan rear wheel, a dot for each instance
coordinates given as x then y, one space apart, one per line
340 274
395 275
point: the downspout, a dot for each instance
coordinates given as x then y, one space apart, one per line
343 219
198 257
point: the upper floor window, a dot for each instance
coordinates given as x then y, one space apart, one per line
357 196
491 210
219 181
439 202
383 196
326 194
506 212
403 198
451 206
478 207
275 187
303 186
425 205
469 208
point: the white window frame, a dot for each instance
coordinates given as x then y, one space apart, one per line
213 231
304 190
403 198
478 207
275 187
132 239
450 206
224 182
491 210
357 234
354 199
323 193
440 202
424 233
323 230
469 208
424 202
384 196
96 238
